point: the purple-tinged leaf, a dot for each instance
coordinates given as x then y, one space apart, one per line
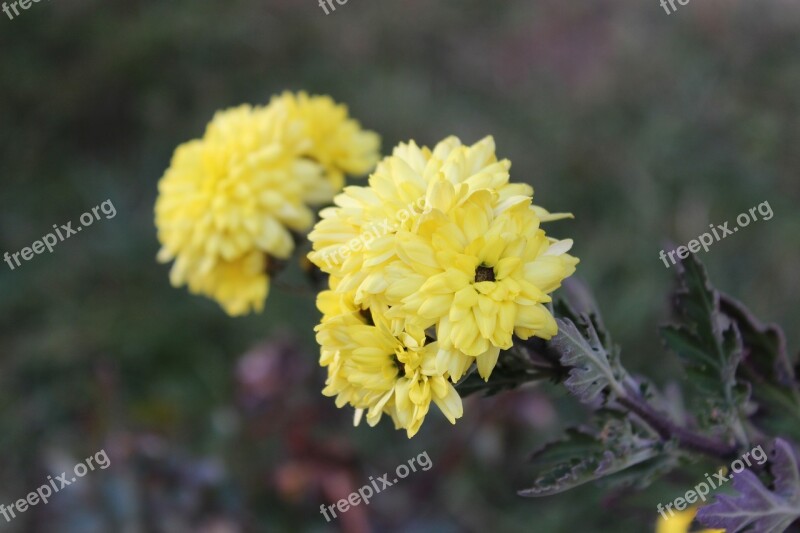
764 344
755 508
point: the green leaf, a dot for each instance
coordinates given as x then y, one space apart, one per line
583 456
764 344
767 367
642 475
710 347
594 366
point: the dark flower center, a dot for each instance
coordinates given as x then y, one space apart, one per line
366 314
484 273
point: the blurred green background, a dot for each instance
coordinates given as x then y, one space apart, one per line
647 126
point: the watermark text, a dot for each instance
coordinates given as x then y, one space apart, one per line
365 493
718 233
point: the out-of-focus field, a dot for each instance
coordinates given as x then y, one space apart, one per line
648 127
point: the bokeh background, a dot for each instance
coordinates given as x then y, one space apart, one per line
647 126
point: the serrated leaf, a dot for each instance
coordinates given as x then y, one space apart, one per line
755 508
582 457
710 347
592 367
767 366
642 475
764 344
686 343
577 442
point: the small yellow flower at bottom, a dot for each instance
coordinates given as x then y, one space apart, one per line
680 522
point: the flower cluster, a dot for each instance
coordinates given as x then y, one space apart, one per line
441 289
229 203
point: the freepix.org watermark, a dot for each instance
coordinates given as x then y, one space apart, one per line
667 4
365 493
702 489
23 4
64 232
327 5
717 233
43 493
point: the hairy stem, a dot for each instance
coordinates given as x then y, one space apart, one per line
668 430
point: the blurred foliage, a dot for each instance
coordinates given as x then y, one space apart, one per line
648 127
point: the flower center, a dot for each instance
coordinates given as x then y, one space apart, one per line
484 273
366 314
406 360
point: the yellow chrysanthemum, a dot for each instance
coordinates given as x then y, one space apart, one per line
230 201
355 239
378 372
680 522
322 130
439 243
479 273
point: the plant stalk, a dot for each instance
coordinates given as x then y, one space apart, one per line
667 430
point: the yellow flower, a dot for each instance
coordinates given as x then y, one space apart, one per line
680 522
229 202
355 240
439 243
479 273
322 130
378 372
